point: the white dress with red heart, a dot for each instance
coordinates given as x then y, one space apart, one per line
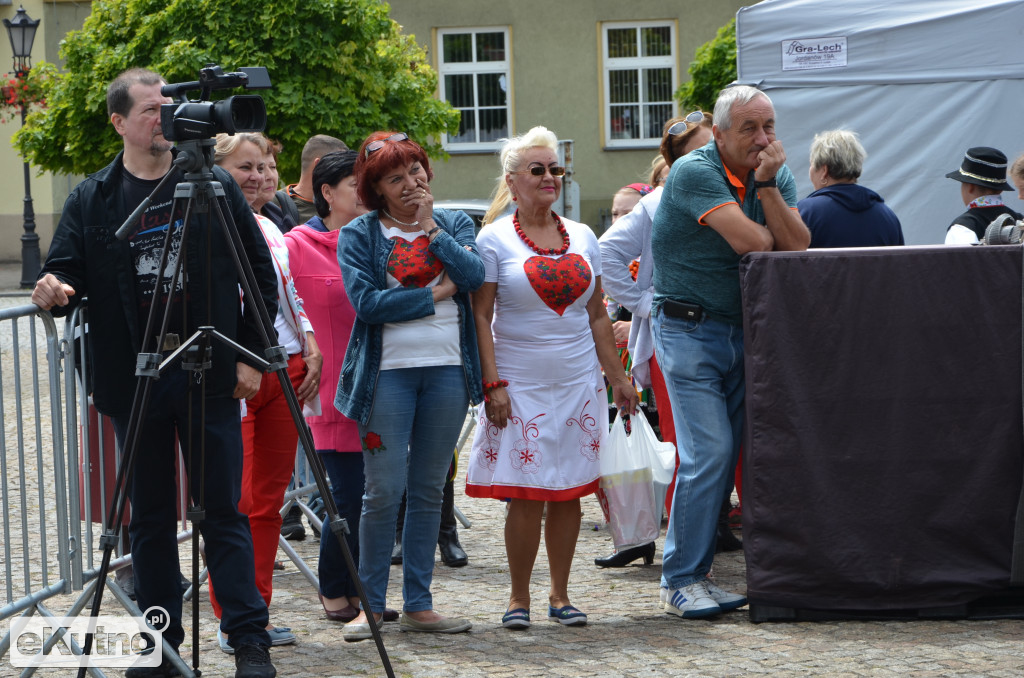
544 348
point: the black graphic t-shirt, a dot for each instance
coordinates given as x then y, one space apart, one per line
147 243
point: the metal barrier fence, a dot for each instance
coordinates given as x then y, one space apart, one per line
33 481
58 465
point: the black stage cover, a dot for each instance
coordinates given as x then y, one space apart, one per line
883 459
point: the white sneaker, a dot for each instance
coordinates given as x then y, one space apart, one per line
691 601
727 601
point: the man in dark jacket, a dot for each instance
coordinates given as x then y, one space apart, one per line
86 258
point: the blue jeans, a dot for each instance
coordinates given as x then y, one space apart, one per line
345 470
417 415
703 367
225 530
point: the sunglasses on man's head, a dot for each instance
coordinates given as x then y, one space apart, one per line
539 170
374 146
694 118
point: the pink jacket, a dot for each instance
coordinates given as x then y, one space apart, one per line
313 257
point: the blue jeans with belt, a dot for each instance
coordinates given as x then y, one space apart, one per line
408 442
702 362
154 500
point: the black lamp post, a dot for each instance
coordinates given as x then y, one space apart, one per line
22 32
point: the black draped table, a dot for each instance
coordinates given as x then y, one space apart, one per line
883 458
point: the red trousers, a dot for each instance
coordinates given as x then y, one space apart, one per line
269 438
666 424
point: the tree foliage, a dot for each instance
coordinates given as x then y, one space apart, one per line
713 68
339 67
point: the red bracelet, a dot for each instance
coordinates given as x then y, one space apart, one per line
491 385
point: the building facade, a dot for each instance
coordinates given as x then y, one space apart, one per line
56 18
599 72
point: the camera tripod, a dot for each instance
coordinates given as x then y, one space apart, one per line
202 194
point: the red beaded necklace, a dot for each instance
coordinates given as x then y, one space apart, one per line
533 246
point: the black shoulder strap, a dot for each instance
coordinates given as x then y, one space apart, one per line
288 205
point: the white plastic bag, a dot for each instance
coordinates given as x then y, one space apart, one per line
626 481
662 455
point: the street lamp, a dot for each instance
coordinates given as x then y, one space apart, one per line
22 32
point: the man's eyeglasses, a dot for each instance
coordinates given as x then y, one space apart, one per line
695 118
374 146
539 170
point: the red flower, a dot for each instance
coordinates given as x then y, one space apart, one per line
372 443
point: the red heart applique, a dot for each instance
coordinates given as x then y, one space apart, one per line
558 282
412 264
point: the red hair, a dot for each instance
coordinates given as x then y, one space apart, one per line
371 168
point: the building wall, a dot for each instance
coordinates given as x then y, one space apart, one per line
57 17
557 79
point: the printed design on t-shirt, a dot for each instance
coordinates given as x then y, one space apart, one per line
558 282
412 264
590 436
489 450
525 453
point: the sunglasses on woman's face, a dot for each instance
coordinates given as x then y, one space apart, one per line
694 118
374 146
539 170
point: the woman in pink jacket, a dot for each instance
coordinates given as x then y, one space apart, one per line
313 252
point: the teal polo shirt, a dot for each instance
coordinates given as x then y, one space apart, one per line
692 262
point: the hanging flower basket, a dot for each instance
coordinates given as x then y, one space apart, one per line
21 90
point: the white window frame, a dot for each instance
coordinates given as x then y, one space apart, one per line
638 63
475 68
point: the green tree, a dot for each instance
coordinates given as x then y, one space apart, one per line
713 68
339 67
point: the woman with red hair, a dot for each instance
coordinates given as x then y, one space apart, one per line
411 367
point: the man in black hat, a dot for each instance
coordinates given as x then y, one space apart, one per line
982 177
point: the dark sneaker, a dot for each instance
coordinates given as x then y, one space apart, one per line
253 661
165 670
291 527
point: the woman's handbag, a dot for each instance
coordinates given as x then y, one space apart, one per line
626 480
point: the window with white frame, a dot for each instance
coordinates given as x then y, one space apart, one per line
639 79
473 64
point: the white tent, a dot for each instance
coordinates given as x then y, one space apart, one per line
919 80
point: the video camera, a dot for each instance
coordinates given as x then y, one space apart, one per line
187 120
1004 230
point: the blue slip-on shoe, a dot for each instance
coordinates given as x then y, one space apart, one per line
568 615
518 618
281 635
222 641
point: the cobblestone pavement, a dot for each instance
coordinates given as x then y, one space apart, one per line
627 634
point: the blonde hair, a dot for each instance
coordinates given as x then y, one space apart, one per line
657 165
1017 171
228 144
512 150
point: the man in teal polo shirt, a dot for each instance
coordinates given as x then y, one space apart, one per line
734 195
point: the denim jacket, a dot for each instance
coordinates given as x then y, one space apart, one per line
363 253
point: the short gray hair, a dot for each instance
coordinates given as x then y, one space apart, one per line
733 96
840 151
